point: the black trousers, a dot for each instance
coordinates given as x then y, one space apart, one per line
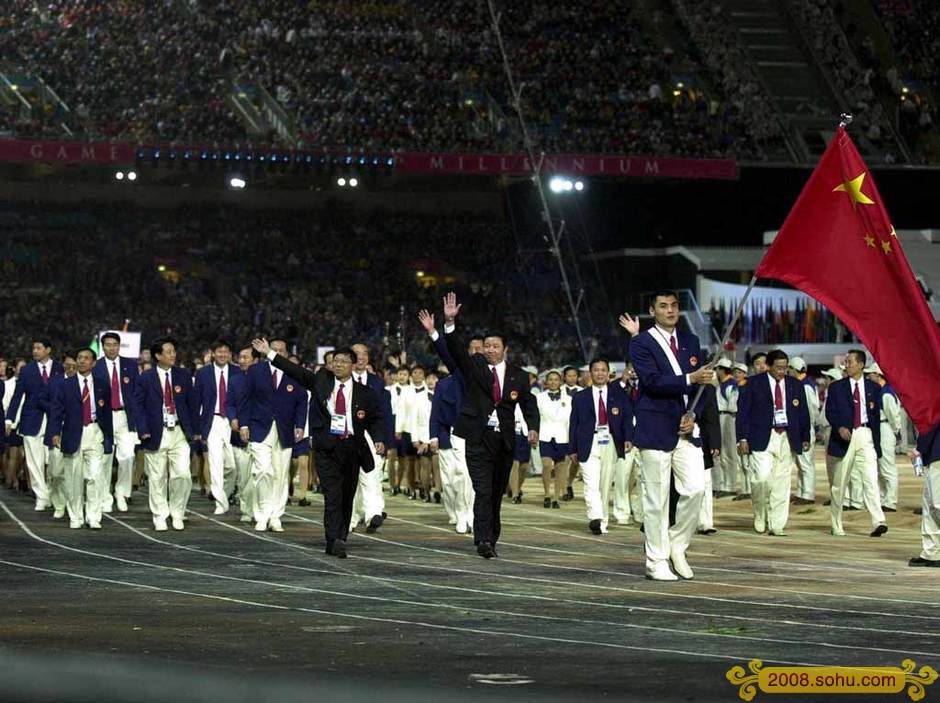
489 462
339 477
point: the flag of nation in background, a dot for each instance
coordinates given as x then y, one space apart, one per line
839 246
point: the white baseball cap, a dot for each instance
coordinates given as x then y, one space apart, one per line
797 364
723 363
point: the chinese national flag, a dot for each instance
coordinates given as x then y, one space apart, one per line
838 245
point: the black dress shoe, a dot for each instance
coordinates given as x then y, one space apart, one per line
849 507
396 491
485 550
303 502
555 504
920 561
742 496
880 530
289 502
889 510
569 494
828 501
339 549
517 500
709 531
437 497
595 526
375 523
547 503
918 511
642 529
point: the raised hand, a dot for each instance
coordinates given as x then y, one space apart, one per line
427 321
451 308
630 324
261 346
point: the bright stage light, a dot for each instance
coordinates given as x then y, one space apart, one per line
556 184
132 175
353 182
341 182
579 186
119 176
567 185
237 183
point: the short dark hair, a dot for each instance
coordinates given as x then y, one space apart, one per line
87 349
43 341
860 356
67 355
328 354
415 367
553 373
156 346
494 333
475 337
275 338
220 343
598 360
757 356
564 371
776 355
345 351
662 293
111 335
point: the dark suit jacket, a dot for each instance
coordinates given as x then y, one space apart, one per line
258 404
478 404
706 414
33 392
148 400
206 392
65 412
584 419
840 412
755 419
129 373
659 406
444 408
366 410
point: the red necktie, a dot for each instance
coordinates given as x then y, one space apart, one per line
168 396
674 346
222 393
340 408
778 397
45 375
857 402
601 409
274 378
86 405
115 389
497 391
635 393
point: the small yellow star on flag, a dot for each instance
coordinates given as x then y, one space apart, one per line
886 245
853 189
869 240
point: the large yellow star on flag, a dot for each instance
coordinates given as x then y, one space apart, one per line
853 189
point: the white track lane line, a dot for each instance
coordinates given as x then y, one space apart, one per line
674 631
574 584
724 584
503 594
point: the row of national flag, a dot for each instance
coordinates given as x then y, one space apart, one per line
768 321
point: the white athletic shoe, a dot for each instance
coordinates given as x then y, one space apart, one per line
58 514
75 525
681 566
261 526
121 503
178 524
274 524
159 525
661 572
245 518
220 511
95 525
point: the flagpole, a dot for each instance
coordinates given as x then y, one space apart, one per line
724 341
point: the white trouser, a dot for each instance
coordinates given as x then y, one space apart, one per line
725 471
168 478
37 454
744 472
687 464
854 493
83 476
861 457
124 443
706 513
628 493
458 490
806 487
369 500
56 484
270 476
770 483
246 503
930 522
221 461
888 468
598 474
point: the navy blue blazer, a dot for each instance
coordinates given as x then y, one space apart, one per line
33 392
65 412
445 407
148 399
237 380
129 373
659 407
840 412
928 444
583 420
258 405
755 419
206 393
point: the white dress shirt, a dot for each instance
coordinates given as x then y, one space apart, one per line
111 367
163 375
861 396
347 396
82 380
597 390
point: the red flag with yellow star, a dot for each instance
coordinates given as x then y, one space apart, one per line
839 246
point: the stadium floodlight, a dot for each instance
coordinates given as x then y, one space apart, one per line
237 183
556 184
567 185
341 182
132 176
119 176
353 182
579 186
